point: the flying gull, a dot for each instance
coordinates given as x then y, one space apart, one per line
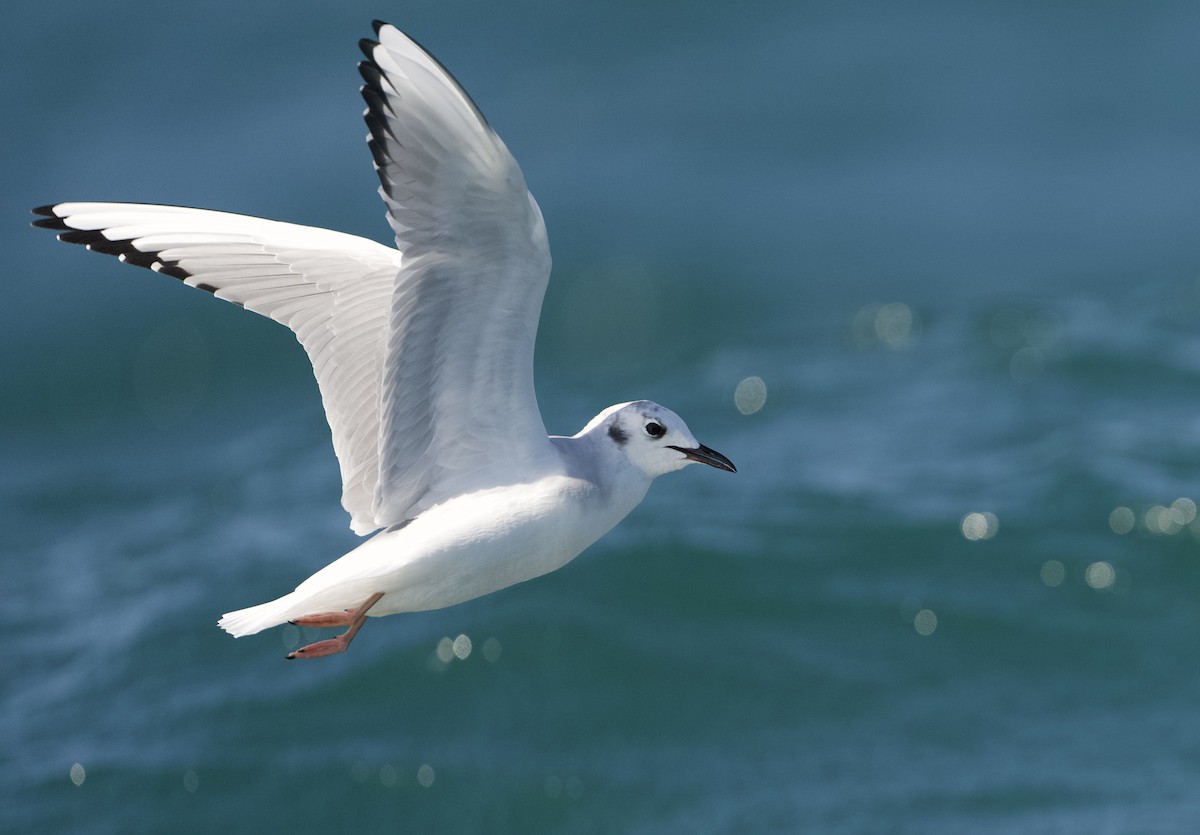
424 358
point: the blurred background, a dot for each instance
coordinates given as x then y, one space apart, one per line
928 273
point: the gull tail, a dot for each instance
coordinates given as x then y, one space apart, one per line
257 618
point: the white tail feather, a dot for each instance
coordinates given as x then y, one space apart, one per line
257 618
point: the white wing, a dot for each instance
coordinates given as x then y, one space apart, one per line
331 289
425 363
459 411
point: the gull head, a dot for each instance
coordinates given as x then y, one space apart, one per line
654 439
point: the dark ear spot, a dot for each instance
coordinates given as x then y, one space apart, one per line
617 434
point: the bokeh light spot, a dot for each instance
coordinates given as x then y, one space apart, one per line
1183 511
1121 520
78 775
388 775
862 326
461 647
1027 334
977 526
1160 519
491 650
894 325
445 650
750 395
1100 575
1053 573
574 788
425 775
925 622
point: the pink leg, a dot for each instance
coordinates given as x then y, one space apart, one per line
325 619
332 646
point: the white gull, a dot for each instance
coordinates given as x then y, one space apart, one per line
424 360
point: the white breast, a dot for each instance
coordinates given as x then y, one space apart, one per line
469 546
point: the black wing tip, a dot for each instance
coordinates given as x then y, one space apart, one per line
370 72
95 241
92 239
47 219
371 77
367 46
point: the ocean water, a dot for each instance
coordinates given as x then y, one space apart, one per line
927 273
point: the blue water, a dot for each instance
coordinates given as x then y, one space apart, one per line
954 587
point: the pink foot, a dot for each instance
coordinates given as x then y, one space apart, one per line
332 646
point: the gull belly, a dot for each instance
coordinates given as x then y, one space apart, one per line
466 547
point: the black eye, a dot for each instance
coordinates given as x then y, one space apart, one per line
655 430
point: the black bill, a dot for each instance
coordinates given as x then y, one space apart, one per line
708 456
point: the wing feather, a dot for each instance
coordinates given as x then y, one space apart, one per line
459 410
425 364
331 289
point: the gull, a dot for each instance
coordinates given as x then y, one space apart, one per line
423 355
